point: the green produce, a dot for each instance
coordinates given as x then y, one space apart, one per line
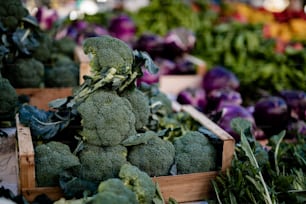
51 159
140 107
8 100
107 119
194 153
25 72
11 13
113 191
139 182
258 175
69 75
100 163
155 156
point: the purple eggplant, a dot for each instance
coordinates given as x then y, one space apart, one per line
193 96
271 115
296 101
219 77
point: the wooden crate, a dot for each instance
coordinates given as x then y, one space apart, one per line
40 97
183 188
168 83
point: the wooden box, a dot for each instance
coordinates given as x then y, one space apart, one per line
183 188
40 97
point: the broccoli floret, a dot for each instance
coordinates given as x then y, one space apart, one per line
113 191
139 182
11 12
107 118
65 75
140 105
108 52
50 160
25 73
8 100
194 153
65 46
154 157
43 51
100 163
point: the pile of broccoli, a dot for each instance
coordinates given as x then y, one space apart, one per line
120 139
31 57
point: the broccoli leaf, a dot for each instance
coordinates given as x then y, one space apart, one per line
25 42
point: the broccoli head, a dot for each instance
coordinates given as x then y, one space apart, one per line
100 163
25 73
140 105
139 182
108 52
113 191
155 157
8 99
107 118
194 153
65 75
51 159
11 12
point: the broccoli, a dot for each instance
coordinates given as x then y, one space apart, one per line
107 118
100 163
113 191
139 182
194 153
8 100
155 157
25 73
50 160
11 13
43 51
108 52
65 75
64 46
140 105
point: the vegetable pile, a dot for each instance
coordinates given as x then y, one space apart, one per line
30 57
123 133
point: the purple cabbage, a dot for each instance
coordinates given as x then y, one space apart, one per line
147 78
193 96
271 115
166 66
177 42
219 77
150 43
217 98
231 111
46 17
122 27
296 101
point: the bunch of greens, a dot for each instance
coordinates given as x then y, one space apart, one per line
258 175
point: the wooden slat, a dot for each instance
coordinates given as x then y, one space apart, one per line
26 156
40 97
54 193
186 187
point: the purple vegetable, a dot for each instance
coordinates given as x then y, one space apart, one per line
295 128
271 115
46 17
296 101
148 78
166 66
193 96
231 111
220 78
184 66
122 27
178 41
217 98
150 43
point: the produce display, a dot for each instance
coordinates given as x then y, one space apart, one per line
117 132
30 56
116 124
